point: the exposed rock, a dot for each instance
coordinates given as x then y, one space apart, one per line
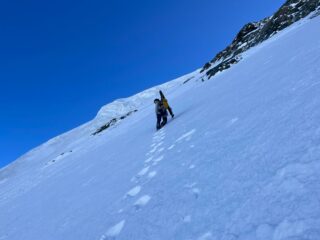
256 32
112 122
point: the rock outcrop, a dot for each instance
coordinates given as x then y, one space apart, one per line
256 32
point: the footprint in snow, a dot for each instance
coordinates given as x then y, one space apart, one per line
171 147
158 140
160 150
152 174
156 145
158 137
148 160
113 231
134 191
140 174
153 150
144 200
58 158
195 192
157 160
159 144
143 171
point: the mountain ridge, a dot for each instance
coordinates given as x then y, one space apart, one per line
222 61
240 161
254 33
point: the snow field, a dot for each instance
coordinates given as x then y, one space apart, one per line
240 161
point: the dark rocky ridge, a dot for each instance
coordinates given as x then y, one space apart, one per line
256 32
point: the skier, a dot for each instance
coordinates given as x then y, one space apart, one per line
165 103
161 113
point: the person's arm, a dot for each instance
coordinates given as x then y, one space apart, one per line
158 109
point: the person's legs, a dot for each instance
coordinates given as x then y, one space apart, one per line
158 121
164 121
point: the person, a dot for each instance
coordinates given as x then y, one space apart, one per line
161 113
165 103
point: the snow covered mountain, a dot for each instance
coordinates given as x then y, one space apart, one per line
256 32
240 161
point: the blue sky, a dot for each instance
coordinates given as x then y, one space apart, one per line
60 61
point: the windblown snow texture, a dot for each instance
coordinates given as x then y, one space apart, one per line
241 160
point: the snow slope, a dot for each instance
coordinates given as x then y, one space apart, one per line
241 160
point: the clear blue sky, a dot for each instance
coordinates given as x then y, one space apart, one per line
60 61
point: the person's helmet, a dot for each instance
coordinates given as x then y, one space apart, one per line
156 100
